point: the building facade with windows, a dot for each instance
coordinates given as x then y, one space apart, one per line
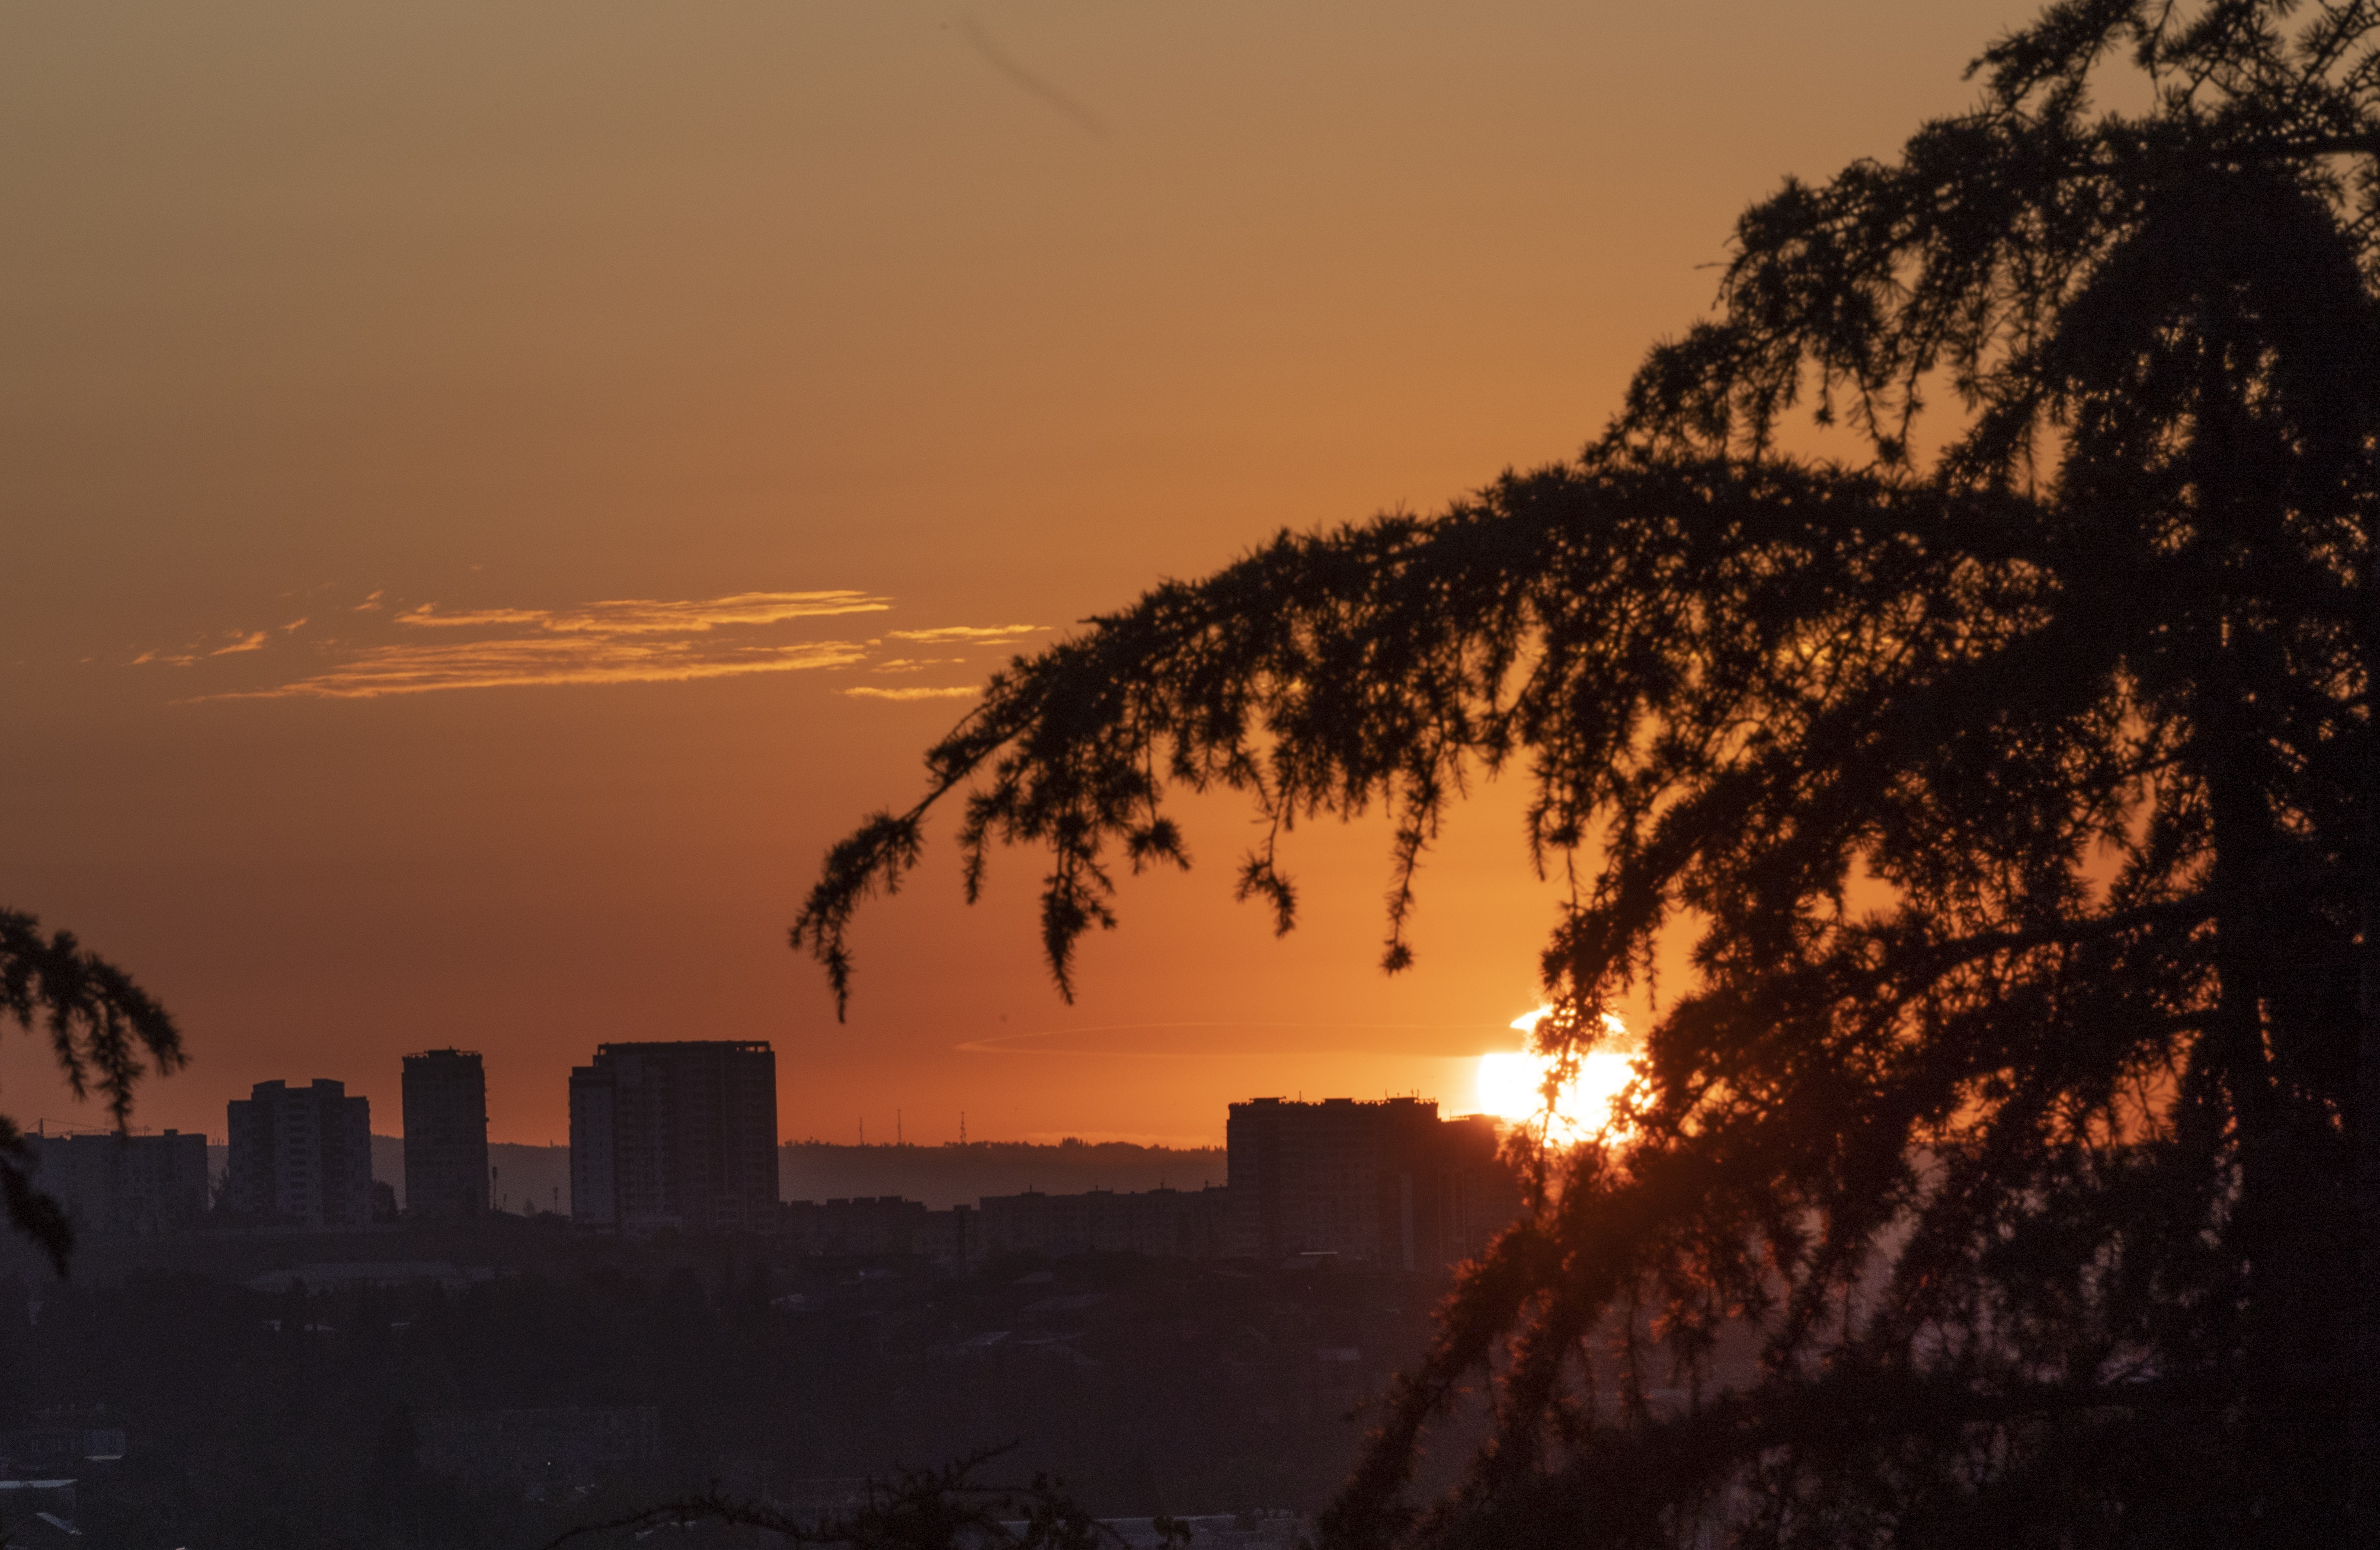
112 1184
445 1134
1386 1184
301 1155
676 1134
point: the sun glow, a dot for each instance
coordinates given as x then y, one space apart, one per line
1512 1086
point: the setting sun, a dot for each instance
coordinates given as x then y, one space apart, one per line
1511 1085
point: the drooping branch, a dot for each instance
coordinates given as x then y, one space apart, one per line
104 1030
1924 758
1551 614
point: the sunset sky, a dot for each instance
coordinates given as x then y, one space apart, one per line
492 489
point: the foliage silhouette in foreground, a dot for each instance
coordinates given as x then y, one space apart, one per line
922 1509
100 1024
2012 776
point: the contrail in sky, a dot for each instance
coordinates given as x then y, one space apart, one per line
999 60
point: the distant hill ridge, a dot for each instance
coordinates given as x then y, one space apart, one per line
538 1178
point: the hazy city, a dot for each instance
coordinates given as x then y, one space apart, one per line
502 1344
1113 774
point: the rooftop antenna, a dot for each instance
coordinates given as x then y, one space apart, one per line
896 1129
962 1126
862 1130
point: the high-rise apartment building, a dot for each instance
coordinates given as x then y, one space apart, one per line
676 1134
1386 1183
125 1184
301 1154
445 1133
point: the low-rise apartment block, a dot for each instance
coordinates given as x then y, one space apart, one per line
113 1184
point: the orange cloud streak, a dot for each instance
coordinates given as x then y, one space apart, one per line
958 634
868 692
636 616
406 669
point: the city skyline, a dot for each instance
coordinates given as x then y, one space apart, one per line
1487 1080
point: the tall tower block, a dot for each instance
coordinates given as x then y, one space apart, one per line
676 1134
445 1133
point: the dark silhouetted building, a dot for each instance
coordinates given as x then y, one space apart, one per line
445 1134
113 1184
301 1154
874 1226
676 1134
868 1226
1160 1224
1386 1184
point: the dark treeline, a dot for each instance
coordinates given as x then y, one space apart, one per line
264 1415
951 1175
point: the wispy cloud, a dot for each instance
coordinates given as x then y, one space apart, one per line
640 615
411 669
967 634
869 691
408 648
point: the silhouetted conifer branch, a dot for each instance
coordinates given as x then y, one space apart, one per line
2018 792
922 1509
104 1030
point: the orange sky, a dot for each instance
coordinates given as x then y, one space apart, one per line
492 488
